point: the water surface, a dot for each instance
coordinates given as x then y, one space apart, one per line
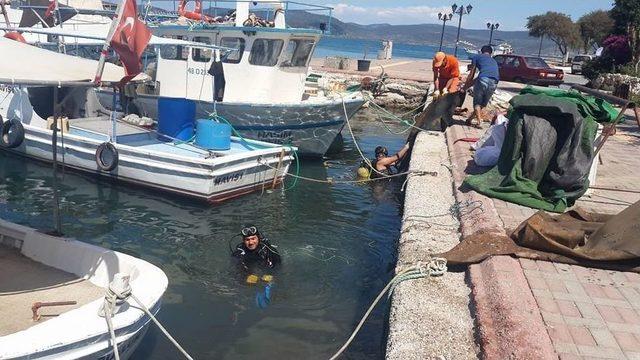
338 244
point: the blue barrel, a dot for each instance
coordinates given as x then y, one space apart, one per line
213 135
175 117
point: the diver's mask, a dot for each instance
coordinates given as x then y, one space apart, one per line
381 150
249 231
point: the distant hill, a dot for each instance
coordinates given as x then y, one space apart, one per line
420 34
427 34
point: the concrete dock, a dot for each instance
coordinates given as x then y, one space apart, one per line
430 318
504 307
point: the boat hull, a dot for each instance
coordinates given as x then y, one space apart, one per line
81 333
209 181
310 126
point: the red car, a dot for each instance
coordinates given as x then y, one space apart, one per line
528 70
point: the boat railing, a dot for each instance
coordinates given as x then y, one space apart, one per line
163 9
155 11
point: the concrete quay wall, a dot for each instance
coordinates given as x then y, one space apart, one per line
430 318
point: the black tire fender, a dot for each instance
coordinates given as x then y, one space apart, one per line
106 163
13 126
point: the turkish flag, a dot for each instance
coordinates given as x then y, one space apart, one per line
129 40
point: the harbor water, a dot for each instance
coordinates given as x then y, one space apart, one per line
356 48
338 244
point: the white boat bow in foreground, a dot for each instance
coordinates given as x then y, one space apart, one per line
35 267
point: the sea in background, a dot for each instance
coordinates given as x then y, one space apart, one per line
355 48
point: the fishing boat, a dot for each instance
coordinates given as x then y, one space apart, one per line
264 81
264 95
97 141
52 293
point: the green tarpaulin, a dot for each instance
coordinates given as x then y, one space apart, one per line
547 153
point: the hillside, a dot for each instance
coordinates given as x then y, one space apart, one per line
428 34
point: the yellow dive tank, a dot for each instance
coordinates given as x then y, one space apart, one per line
364 171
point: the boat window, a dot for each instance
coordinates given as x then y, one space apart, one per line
174 52
233 57
201 55
298 52
265 52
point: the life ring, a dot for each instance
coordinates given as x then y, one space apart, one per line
12 134
106 156
14 35
196 14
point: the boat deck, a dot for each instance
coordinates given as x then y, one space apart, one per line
99 127
24 282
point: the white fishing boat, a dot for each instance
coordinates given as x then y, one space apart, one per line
52 292
93 142
264 95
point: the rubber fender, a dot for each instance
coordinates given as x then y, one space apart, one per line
106 156
12 134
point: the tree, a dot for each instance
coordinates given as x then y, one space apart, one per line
556 26
594 28
626 14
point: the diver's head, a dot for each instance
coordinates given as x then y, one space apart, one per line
250 237
381 152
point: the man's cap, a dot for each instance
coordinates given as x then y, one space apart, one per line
438 59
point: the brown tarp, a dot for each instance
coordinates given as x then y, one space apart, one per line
576 237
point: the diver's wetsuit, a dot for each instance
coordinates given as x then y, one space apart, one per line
265 254
388 170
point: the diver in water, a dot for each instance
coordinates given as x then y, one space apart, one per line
256 250
385 164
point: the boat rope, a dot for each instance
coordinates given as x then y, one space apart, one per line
331 181
383 114
355 142
115 297
435 267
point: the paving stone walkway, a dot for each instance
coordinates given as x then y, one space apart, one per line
588 313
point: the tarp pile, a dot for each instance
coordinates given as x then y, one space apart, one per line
548 150
576 237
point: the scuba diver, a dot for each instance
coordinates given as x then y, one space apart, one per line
384 164
256 250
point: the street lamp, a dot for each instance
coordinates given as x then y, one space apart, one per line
492 27
444 18
460 11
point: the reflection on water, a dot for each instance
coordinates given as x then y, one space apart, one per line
337 243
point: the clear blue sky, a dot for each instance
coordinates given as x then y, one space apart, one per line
510 14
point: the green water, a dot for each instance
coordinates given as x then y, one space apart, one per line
338 244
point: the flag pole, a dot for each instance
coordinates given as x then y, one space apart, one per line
105 47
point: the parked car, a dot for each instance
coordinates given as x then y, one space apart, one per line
578 61
528 70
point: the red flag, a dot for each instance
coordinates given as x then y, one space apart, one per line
129 40
50 9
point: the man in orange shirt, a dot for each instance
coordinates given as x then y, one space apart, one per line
446 73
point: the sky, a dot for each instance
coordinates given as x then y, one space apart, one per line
510 14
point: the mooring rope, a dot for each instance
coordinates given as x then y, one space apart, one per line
330 181
435 267
111 298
